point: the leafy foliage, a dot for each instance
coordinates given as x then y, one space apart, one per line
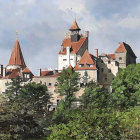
68 83
24 110
126 87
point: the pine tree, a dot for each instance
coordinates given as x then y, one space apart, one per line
68 84
24 109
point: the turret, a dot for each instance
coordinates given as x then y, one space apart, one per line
75 32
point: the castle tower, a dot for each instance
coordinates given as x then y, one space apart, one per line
72 48
16 59
75 32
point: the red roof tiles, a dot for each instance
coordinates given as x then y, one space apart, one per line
74 26
16 56
26 70
12 73
112 56
121 48
75 46
46 73
87 61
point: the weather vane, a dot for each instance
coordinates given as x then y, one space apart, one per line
16 34
73 13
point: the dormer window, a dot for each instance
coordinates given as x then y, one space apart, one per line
26 75
81 65
88 65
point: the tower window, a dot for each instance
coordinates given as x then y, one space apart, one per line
81 65
120 58
50 84
102 69
88 65
109 70
106 79
64 59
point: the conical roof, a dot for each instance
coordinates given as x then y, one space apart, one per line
74 26
16 56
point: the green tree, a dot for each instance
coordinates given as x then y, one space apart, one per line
24 110
68 83
126 87
95 97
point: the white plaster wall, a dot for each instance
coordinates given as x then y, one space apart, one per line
13 67
73 60
70 60
53 90
2 84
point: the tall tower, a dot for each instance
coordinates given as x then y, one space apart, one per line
75 32
16 59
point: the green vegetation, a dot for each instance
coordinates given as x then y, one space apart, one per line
101 116
24 110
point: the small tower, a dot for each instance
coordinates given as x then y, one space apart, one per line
16 59
75 32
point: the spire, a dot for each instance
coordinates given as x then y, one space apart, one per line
16 56
75 26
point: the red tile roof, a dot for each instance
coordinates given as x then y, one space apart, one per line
26 70
46 73
112 56
54 75
86 59
12 73
75 46
16 56
123 47
74 26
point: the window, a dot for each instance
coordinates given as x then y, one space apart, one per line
109 70
88 65
56 84
57 102
64 59
106 79
81 65
26 75
50 84
120 58
102 69
71 59
109 62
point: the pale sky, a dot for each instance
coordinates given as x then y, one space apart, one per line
42 24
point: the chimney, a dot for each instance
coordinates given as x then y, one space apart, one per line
87 33
39 72
96 52
4 72
1 70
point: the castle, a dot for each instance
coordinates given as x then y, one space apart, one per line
74 54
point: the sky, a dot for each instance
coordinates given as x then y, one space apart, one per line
42 25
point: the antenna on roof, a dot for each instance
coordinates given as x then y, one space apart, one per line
16 34
73 13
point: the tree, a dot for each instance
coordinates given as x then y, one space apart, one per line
24 110
126 87
85 78
68 83
95 97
